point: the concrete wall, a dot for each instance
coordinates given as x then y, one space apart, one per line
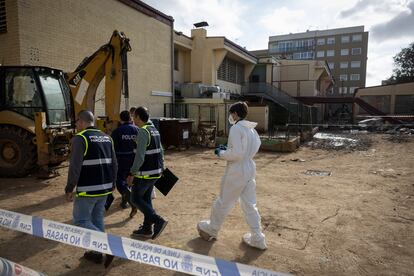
300 77
65 32
386 90
9 41
294 72
308 88
183 45
207 54
290 87
183 75
260 115
203 57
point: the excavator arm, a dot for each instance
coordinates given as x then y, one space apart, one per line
109 62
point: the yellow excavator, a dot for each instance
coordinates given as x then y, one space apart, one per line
38 106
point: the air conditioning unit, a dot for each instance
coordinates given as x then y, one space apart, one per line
198 90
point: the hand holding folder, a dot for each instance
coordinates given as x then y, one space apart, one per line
166 182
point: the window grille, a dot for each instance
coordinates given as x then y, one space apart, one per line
3 21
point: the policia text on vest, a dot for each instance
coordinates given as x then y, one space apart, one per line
96 177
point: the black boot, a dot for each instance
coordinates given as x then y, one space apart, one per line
93 256
108 260
144 231
159 226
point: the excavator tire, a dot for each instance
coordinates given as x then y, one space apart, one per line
18 154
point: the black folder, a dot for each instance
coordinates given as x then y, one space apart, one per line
166 182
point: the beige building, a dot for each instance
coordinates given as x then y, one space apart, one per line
211 61
208 71
60 34
344 49
298 78
394 99
294 78
302 78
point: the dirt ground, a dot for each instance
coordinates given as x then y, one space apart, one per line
357 221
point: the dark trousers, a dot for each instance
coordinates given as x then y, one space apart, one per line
124 165
121 184
141 198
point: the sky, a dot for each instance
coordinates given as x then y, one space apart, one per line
249 23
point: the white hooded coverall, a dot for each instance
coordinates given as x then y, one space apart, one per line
239 178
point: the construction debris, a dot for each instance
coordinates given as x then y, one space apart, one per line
348 141
297 160
386 173
318 173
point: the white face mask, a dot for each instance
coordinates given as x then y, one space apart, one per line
231 120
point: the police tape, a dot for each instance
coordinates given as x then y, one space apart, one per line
134 250
9 268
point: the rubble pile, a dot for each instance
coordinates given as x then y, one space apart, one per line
399 134
347 141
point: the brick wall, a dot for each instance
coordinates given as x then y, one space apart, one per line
60 34
9 41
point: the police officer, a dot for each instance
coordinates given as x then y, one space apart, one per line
147 168
124 143
154 195
92 171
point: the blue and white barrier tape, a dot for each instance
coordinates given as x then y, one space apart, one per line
134 250
9 268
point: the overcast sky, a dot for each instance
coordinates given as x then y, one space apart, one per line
249 23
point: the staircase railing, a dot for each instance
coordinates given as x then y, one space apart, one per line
270 92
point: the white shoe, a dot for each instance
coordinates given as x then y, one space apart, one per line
205 231
153 195
255 241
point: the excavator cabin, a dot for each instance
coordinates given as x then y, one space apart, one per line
38 106
35 107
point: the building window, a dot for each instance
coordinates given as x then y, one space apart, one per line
292 45
330 53
331 65
357 38
342 90
355 64
344 65
345 38
321 41
343 77
352 90
344 52
330 40
176 55
320 54
356 51
231 71
303 55
355 77
404 104
3 20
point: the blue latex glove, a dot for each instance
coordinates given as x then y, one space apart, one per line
222 147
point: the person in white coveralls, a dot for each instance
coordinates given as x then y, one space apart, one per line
238 181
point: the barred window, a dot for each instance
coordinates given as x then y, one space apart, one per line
231 71
3 21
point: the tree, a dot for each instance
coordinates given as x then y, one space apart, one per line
404 65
